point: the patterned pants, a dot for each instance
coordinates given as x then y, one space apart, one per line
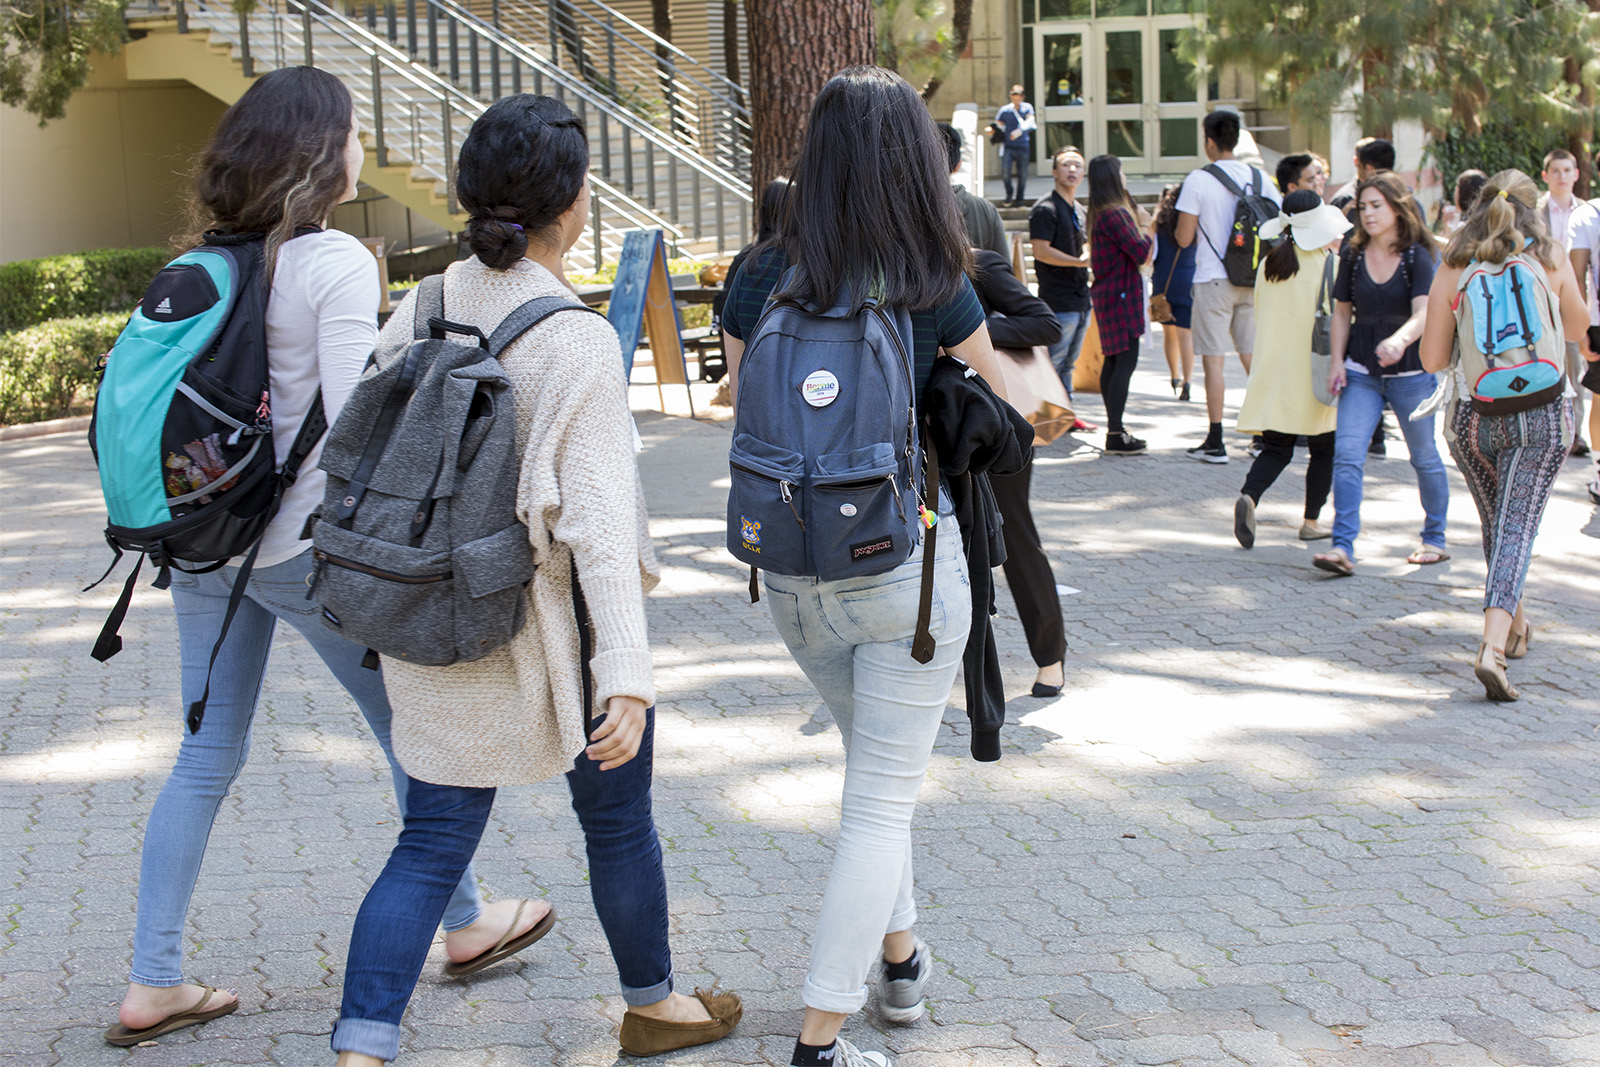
1510 463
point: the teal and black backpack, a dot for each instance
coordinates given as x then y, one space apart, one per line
182 427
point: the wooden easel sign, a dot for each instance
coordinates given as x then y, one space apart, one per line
641 297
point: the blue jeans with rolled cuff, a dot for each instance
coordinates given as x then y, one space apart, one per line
395 924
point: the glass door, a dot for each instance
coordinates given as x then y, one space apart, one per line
1124 93
1176 105
1063 91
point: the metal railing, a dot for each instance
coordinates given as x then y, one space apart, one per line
416 116
630 148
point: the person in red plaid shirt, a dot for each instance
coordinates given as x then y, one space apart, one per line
1119 244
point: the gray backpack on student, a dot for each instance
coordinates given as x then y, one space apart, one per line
418 550
826 461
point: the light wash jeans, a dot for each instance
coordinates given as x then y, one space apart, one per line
209 761
1361 405
1064 353
852 638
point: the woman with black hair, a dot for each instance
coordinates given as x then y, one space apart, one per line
1279 404
517 716
767 214
280 160
1118 247
871 213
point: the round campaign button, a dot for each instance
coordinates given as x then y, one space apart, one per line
820 388
847 510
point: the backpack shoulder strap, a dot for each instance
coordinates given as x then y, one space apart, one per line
429 304
1222 176
528 316
1255 181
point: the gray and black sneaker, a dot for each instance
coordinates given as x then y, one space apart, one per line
901 1000
847 1055
1208 453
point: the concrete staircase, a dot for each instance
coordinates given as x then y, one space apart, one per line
422 71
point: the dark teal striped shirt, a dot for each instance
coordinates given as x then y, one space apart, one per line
948 324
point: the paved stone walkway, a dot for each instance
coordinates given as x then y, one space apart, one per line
1272 821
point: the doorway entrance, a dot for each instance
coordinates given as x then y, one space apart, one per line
1131 87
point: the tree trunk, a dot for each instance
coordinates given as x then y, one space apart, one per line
960 31
795 47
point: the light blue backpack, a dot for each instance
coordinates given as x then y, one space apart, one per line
1508 336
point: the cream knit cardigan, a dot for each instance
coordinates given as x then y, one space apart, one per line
516 716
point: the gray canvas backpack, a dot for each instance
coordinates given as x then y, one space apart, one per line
418 550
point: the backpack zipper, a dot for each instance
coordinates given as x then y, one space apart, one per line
324 559
785 489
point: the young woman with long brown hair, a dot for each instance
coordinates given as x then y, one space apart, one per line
1510 462
282 157
1380 306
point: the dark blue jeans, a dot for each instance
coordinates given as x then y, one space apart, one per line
395 926
1014 159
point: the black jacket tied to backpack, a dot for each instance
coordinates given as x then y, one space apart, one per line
976 434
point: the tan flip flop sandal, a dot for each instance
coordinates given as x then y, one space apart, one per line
125 1037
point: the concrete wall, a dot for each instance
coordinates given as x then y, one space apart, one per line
111 174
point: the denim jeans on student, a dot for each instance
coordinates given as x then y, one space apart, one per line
209 761
1014 158
1361 405
394 927
852 638
1064 353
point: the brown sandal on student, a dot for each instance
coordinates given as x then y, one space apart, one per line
126 1037
1425 555
507 945
1519 640
1335 562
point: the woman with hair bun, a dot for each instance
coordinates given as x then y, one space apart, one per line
1509 461
281 159
517 716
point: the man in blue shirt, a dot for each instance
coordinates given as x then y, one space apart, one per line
1016 124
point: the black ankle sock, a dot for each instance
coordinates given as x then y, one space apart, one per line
812 1055
904 970
1214 437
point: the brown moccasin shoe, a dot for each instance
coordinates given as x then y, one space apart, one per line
643 1036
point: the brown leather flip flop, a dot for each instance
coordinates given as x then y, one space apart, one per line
507 946
125 1037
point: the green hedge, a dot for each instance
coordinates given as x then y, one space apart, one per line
45 369
33 291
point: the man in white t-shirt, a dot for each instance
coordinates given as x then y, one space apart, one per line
1221 309
1557 207
1583 242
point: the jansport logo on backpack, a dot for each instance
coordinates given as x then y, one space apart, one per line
825 459
1509 340
1245 246
419 553
182 426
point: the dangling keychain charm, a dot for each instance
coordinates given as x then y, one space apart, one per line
930 519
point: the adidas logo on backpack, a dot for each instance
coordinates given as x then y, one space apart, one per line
826 459
182 426
419 553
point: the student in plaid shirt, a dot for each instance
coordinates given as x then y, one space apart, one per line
1119 244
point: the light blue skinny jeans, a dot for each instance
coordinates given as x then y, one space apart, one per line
852 638
1361 405
1064 353
209 761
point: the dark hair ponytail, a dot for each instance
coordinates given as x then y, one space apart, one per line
522 166
1283 262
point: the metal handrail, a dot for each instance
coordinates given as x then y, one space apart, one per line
684 67
371 67
582 89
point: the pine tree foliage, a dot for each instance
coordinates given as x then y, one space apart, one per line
1452 64
45 47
